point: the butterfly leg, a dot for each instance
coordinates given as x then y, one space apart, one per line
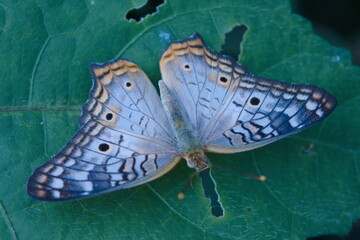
197 171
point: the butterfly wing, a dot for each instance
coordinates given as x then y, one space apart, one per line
262 111
232 110
125 139
198 79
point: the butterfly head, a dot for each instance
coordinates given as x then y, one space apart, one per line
197 160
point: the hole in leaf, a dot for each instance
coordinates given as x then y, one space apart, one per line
233 39
209 187
254 101
104 147
140 13
109 116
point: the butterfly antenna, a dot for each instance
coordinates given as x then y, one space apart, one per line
189 184
253 176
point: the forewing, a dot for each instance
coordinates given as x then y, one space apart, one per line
122 95
125 139
200 80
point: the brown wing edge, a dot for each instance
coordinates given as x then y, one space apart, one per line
102 74
196 45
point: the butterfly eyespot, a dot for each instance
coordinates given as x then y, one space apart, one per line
254 101
187 67
129 85
109 116
104 147
223 79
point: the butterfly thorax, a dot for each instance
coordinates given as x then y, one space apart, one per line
191 149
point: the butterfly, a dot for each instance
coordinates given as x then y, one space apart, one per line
209 103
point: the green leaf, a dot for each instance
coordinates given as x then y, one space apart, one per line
46 47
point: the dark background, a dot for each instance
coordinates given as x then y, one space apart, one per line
337 21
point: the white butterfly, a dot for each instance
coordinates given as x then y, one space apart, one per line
128 136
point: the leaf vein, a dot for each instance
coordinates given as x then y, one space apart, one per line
8 222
